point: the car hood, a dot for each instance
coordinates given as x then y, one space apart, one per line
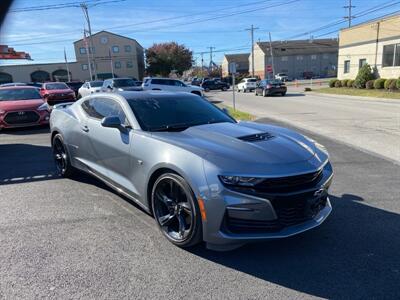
20 104
221 144
64 91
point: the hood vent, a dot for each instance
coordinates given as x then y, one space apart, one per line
258 137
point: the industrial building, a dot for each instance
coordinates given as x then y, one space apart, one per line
298 59
376 43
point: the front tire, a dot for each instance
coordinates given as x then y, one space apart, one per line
176 210
61 157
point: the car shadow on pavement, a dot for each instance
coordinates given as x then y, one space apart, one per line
355 254
25 163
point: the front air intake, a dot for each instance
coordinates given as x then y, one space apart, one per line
256 137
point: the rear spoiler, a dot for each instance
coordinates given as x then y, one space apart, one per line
62 105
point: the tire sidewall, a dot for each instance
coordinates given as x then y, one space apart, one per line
68 172
196 234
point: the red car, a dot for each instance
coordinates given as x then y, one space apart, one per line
22 106
56 92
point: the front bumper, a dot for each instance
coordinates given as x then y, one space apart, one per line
241 217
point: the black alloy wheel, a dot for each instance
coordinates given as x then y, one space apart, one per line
176 211
61 158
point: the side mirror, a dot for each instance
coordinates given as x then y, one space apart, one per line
112 122
109 87
41 89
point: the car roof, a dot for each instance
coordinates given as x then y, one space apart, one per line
154 94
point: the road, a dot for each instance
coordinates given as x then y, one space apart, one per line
370 125
76 239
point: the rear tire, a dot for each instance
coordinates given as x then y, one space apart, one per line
176 211
224 88
61 157
207 89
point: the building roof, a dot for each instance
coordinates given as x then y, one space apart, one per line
238 57
301 46
118 35
371 21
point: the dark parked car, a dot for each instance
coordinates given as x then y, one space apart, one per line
120 84
268 87
196 82
75 86
214 85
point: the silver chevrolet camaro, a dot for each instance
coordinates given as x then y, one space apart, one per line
201 174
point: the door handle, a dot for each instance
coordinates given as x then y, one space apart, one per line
85 128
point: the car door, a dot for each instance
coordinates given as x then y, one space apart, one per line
111 146
83 90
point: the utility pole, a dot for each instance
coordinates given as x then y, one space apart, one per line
252 47
349 17
272 55
85 42
202 63
91 48
211 61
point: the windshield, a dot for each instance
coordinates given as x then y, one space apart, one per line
56 86
252 80
124 82
175 113
96 83
19 94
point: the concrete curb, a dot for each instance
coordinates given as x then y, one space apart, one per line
356 97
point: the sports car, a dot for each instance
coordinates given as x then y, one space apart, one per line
200 173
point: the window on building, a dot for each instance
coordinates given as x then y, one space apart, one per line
115 49
129 64
84 67
325 56
346 66
299 57
82 50
128 48
284 58
362 62
313 56
391 56
117 65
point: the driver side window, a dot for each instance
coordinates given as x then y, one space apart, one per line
98 108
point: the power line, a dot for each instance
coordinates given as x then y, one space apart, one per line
341 21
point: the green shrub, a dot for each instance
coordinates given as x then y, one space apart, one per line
364 74
388 82
350 83
370 84
398 83
332 82
379 83
344 82
338 84
392 85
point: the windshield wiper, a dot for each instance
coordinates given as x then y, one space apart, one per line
173 127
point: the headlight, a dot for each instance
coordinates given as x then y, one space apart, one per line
44 106
239 180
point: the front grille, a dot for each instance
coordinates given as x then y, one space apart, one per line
21 117
290 211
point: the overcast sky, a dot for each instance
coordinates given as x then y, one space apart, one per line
45 33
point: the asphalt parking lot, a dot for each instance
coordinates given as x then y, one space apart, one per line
63 238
